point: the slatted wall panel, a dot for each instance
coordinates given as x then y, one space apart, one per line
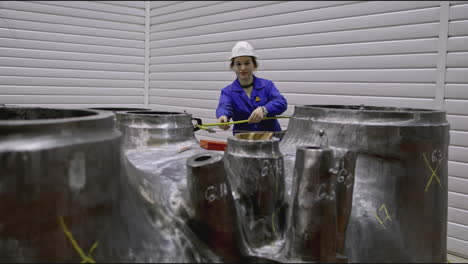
316 52
456 104
72 53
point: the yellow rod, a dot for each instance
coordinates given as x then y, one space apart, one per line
242 121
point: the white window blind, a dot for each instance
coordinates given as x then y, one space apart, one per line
72 53
456 104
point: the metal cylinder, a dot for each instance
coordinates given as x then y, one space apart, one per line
312 214
215 220
156 150
155 129
344 171
120 109
399 207
255 172
156 234
58 194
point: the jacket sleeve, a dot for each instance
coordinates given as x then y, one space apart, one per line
225 105
277 104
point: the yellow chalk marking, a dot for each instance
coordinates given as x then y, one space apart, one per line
380 221
386 212
86 258
273 223
387 215
432 171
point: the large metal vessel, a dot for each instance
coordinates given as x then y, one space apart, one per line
311 235
149 210
156 146
156 129
59 173
399 206
67 195
120 109
256 176
214 219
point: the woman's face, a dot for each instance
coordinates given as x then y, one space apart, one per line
243 67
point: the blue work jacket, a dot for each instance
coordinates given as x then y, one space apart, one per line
234 103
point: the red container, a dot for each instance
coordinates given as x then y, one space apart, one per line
213 145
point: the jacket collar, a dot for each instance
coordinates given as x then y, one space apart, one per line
258 84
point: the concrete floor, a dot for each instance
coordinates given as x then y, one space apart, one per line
456 259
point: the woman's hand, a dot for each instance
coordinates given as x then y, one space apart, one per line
256 115
223 119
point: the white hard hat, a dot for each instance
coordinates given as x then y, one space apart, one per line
242 48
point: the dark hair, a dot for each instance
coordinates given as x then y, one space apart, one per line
254 61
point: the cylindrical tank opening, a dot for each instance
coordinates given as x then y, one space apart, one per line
313 147
370 108
202 158
255 136
153 113
119 109
18 113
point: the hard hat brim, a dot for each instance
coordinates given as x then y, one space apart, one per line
246 55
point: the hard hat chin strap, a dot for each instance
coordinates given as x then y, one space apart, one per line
247 86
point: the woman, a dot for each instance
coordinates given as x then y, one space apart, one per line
249 97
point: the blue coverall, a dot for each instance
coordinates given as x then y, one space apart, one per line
234 103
